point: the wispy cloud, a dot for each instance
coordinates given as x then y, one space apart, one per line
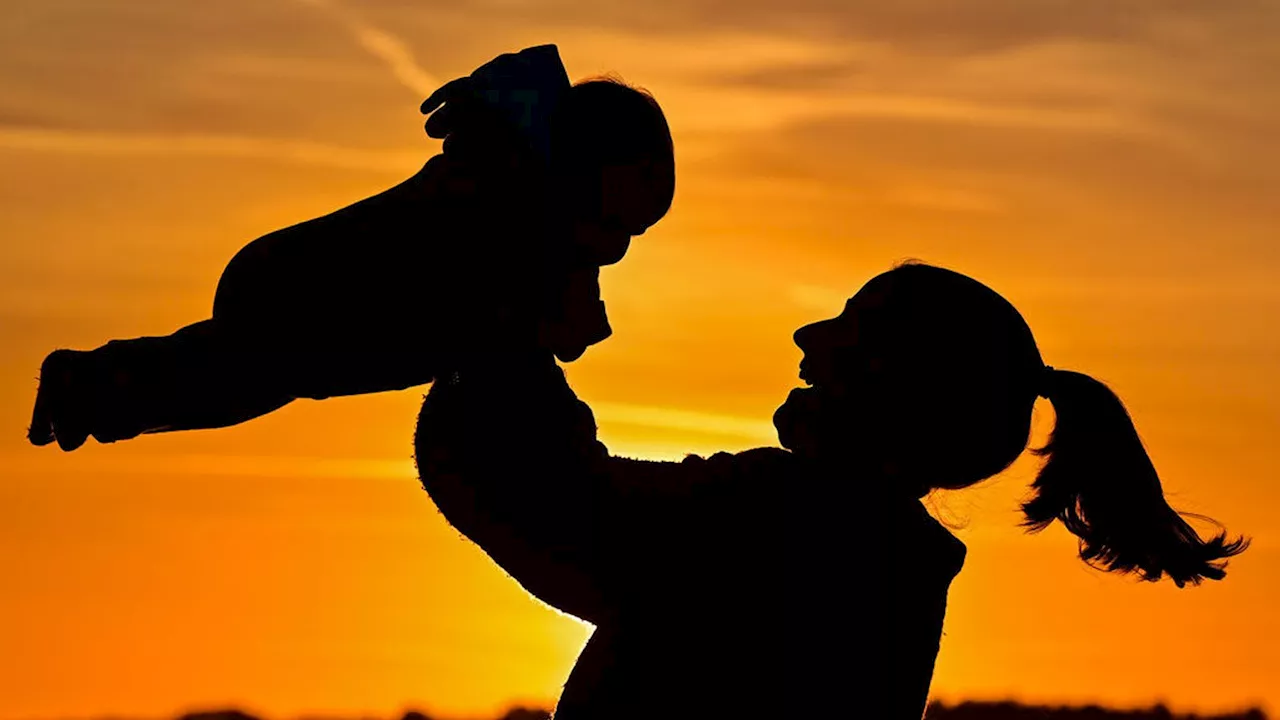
973 27
731 82
393 51
301 152
675 419
819 299
687 425
944 199
229 465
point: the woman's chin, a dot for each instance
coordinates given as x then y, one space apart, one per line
803 399
794 417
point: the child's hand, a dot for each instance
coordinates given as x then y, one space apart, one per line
576 318
54 416
77 398
62 409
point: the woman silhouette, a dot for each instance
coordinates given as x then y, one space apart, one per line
810 581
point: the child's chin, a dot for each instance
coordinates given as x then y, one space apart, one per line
570 354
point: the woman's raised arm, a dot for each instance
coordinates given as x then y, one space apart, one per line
510 456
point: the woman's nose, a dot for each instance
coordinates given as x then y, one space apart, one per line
804 336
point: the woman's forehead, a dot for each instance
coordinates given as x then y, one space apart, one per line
870 296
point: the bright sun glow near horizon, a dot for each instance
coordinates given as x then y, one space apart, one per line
1109 167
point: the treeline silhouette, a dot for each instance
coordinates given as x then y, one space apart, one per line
1016 711
937 711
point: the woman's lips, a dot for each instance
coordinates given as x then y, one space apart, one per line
802 394
809 373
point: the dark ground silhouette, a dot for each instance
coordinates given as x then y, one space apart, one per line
937 711
1015 711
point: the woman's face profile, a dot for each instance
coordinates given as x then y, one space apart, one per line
838 357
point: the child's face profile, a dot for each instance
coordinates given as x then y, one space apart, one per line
627 207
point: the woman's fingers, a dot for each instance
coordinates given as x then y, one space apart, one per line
443 106
442 122
449 92
455 107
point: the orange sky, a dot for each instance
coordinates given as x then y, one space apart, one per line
1112 171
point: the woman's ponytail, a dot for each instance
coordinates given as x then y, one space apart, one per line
1099 481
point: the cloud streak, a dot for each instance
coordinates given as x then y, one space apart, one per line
117 144
974 27
392 51
675 419
224 465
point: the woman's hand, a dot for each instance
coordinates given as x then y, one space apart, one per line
515 94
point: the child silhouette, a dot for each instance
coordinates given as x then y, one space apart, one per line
539 184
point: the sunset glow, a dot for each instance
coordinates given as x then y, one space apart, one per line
1112 171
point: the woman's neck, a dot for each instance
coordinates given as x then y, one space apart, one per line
882 481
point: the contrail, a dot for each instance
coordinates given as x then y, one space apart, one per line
391 50
299 152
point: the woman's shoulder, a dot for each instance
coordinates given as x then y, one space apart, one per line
932 541
756 464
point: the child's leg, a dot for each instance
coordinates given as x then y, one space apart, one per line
375 296
342 304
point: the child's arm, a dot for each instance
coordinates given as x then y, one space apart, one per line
190 379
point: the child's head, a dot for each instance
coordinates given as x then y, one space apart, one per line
927 380
613 156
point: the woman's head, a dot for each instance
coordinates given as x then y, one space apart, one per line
927 374
927 380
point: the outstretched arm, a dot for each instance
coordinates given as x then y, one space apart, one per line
510 456
197 377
